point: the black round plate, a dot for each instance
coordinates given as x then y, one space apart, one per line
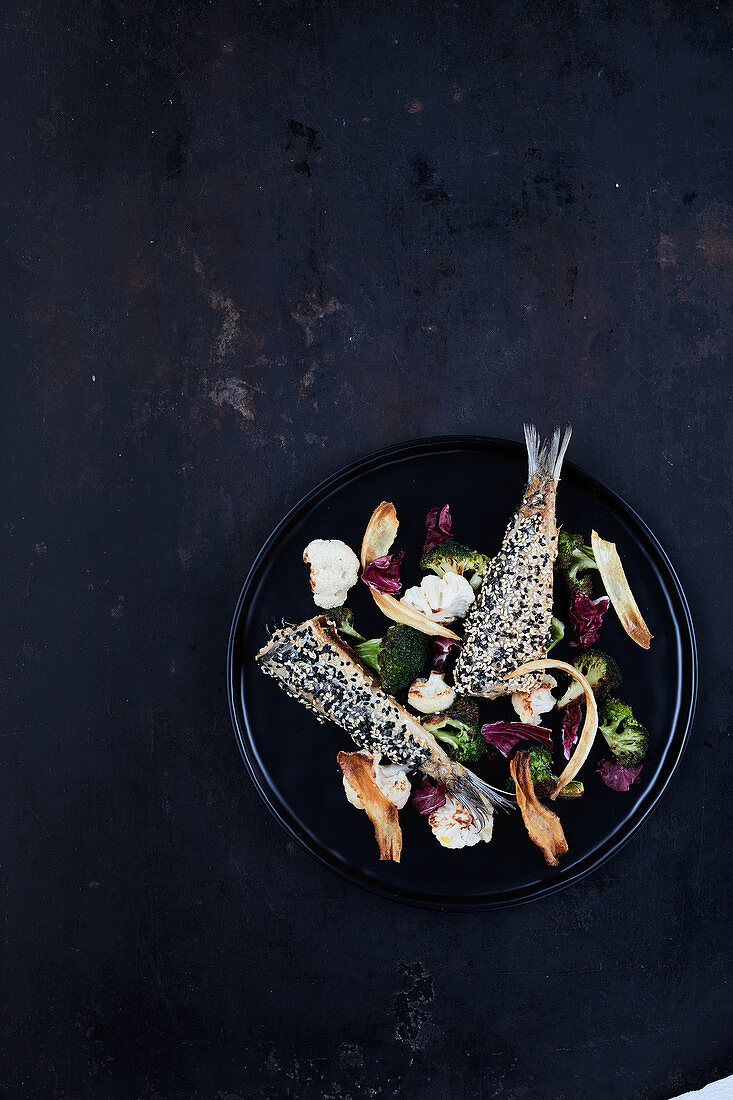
292 758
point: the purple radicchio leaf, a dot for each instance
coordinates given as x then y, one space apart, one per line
442 651
505 736
586 616
383 574
438 525
619 777
570 726
427 797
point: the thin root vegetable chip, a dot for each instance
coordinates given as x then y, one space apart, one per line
359 774
618 591
543 826
378 538
588 732
380 533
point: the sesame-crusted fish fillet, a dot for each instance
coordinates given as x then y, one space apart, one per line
314 665
510 621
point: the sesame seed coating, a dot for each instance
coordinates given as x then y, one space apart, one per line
510 621
312 664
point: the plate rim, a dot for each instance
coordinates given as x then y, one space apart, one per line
395 894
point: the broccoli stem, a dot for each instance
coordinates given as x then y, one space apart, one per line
369 652
573 789
557 632
583 560
448 738
348 631
343 619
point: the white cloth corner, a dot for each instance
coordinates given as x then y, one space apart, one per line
716 1090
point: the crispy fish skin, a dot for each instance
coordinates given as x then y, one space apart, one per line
314 665
509 624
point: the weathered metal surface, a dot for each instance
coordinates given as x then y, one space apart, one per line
243 244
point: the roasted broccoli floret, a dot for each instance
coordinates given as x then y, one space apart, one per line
453 557
601 672
459 730
399 657
540 769
627 739
544 778
574 561
557 632
343 619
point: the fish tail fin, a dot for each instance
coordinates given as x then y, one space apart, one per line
479 798
546 458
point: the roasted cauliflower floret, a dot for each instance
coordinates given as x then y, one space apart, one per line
391 780
531 705
454 827
430 695
334 570
442 599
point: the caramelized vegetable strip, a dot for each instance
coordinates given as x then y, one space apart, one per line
381 812
401 613
378 538
380 533
618 590
588 732
542 824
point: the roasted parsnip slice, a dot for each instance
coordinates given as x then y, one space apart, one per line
590 726
380 533
618 590
359 774
378 538
401 613
544 827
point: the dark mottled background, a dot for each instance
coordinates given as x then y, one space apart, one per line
243 244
